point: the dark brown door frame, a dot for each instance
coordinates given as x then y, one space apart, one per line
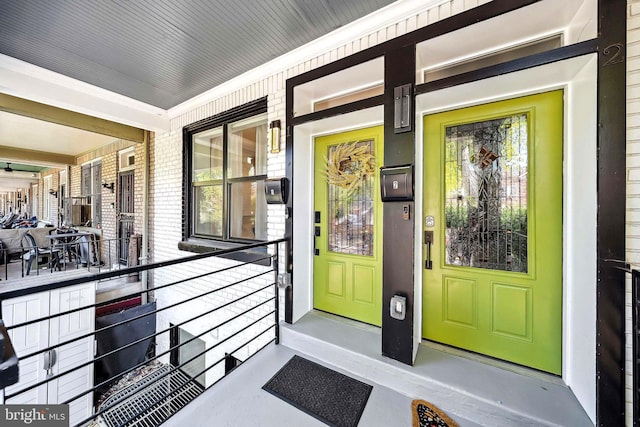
611 169
610 335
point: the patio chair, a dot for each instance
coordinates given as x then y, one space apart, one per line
31 252
8 220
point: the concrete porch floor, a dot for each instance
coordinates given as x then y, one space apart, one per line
471 390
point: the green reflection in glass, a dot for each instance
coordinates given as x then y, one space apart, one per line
485 166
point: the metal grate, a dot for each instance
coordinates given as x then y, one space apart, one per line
150 406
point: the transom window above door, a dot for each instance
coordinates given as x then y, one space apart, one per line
226 165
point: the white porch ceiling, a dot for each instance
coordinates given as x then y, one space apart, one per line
27 133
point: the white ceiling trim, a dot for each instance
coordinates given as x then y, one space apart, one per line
28 81
381 18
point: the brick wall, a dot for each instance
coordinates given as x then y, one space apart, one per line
109 218
139 184
166 158
75 181
633 178
108 156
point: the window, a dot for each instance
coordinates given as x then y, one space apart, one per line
91 177
62 194
126 159
46 199
34 200
226 164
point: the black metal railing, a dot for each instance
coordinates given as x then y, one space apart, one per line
143 371
89 252
635 332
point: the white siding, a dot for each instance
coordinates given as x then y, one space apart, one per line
35 337
633 180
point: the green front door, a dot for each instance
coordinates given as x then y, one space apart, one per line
493 204
347 268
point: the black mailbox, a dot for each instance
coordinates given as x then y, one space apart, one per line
276 191
396 183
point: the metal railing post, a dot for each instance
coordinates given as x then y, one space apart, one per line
635 346
276 261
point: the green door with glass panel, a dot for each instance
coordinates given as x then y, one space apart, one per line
347 269
493 215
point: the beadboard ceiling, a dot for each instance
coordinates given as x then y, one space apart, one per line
164 52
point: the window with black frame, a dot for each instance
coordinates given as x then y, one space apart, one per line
227 161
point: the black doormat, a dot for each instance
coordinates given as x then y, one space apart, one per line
327 395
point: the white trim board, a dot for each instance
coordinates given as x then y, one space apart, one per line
303 175
577 77
28 81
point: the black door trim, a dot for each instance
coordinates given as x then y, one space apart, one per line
610 332
520 64
611 48
472 16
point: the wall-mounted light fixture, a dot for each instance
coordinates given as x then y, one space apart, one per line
53 192
402 108
274 128
110 186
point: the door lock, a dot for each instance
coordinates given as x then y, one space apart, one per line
429 221
316 234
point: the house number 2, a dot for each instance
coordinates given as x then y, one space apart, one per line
617 50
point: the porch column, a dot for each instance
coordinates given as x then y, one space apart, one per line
398 233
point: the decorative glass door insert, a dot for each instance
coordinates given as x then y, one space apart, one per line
486 194
350 168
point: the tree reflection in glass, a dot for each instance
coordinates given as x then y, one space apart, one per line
486 194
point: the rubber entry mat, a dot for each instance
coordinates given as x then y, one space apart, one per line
329 396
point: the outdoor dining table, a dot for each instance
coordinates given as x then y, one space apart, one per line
70 240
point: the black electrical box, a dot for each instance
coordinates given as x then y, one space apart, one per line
396 183
276 190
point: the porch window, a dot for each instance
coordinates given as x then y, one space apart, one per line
46 199
227 166
91 179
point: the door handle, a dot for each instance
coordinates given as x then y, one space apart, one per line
428 240
316 233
